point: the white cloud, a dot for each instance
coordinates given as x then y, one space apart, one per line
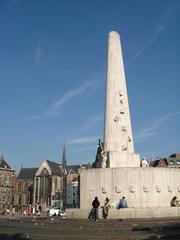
43 56
34 117
68 96
39 54
153 129
91 122
161 26
55 108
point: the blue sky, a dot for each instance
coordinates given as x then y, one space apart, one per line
53 58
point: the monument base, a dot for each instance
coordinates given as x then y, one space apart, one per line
123 159
127 213
142 187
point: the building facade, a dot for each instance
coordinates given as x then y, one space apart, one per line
7 179
72 194
162 162
24 188
174 160
50 184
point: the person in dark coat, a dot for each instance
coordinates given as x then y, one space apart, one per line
94 210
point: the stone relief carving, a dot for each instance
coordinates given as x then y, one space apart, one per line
144 163
169 188
91 189
158 189
104 190
124 148
117 189
145 189
120 94
132 189
116 119
123 129
121 101
122 111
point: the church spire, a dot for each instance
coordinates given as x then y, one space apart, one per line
64 158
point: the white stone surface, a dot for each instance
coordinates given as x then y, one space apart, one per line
142 187
123 159
118 139
128 213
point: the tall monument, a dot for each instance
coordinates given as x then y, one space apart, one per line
118 139
117 170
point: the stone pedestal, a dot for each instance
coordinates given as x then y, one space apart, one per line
142 187
123 159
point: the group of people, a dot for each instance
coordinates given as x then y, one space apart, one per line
7 211
22 211
93 215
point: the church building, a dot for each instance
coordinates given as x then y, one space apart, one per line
51 181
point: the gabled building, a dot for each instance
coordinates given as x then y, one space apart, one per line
7 179
57 184
24 188
161 162
173 161
50 184
47 184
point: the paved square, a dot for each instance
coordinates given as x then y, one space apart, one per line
59 229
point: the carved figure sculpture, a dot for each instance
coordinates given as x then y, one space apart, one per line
144 163
101 157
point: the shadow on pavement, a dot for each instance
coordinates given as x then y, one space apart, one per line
17 236
170 231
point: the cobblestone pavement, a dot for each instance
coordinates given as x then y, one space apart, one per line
70 229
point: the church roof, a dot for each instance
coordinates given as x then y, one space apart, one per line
160 162
57 169
54 167
73 167
3 163
175 155
27 173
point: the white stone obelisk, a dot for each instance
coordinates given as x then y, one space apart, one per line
118 139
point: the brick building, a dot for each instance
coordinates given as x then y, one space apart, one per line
7 179
174 160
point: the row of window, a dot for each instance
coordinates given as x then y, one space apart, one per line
173 162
